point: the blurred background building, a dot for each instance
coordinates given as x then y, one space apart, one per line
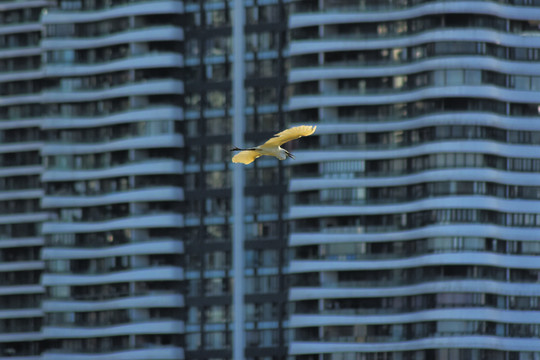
21 216
112 163
207 181
407 228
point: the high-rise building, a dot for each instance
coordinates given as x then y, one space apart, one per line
410 217
125 182
20 191
134 172
415 216
208 216
112 156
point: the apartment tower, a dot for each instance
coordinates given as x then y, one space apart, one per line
415 216
116 180
208 176
406 228
21 216
112 158
137 178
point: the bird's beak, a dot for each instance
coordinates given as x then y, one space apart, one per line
290 155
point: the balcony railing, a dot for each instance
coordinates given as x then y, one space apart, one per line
388 5
76 6
113 295
85 323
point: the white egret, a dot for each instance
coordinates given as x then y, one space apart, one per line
273 146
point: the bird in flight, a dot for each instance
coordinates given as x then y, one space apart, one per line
273 146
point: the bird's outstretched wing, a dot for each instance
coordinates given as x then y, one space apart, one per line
245 157
289 134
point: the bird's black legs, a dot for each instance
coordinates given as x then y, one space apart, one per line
289 154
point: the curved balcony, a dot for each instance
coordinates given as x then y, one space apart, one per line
480 121
136 301
132 222
32 50
461 258
21 313
494 83
148 60
460 117
24 218
122 318
162 352
297 21
302 47
131 142
144 88
20 28
475 202
140 274
367 307
331 31
469 342
400 284
147 194
21 289
358 176
143 248
372 194
499 176
446 286
20 99
134 328
154 33
133 8
98 298
338 14
422 174
424 246
22 4
470 314
347 98
8 266
436 147
354 234
19 242
21 336
134 115
20 146
117 132
20 123
344 71
135 168
19 75
21 194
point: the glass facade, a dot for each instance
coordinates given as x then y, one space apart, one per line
208 176
414 211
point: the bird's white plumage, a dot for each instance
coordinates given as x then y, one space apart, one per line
273 146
